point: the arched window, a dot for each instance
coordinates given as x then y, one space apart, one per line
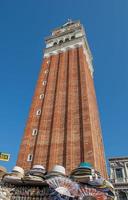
29 157
73 37
55 43
44 82
67 39
61 41
42 96
122 195
46 71
34 131
38 112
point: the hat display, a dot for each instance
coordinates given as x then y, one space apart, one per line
81 182
59 169
82 173
85 165
17 172
11 178
33 179
38 167
37 170
36 174
17 169
15 176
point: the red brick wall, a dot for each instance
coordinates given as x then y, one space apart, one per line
68 127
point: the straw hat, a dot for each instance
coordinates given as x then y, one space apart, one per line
59 169
18 169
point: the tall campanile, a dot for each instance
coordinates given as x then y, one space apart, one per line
63 126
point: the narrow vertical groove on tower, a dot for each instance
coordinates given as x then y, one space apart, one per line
88 133
73 125
80 110
66 112
69 122
59 112
51 128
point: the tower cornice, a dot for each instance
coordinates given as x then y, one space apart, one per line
69 36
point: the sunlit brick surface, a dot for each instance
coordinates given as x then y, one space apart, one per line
68 127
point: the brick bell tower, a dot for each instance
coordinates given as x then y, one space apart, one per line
63 126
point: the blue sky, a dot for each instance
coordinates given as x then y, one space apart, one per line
23 26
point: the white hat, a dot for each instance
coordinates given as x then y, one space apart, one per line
18 169
59 168
38 167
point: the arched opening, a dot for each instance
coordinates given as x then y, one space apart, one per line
73 37
61 41
34 131
44 82
67 39
29 157
38 112
55 43
122 196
